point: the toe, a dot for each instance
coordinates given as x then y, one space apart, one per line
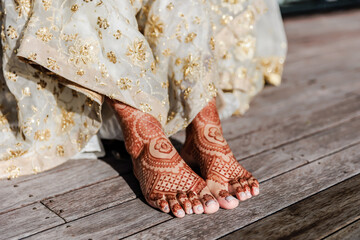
175 206
163 205
196 203
209 201
254 186
226 200
185 202
245 185
238 190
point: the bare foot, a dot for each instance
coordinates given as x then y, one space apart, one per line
206 147
166 181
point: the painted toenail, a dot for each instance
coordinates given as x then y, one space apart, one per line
229 198
180 213
200 208
242 195
166 208
210 202
256 191
191 211
248 194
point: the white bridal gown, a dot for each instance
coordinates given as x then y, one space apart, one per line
167 58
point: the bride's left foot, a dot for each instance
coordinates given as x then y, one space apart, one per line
206 147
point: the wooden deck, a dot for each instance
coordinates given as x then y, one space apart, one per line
301 140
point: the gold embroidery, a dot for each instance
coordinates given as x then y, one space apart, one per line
42 135
170 6
155 28
118 34
124 83
137 52
60 151
46 4
67 120
187 93
82 52
145 107
23 7
13 171
190 37
111 56
51 63
103 23
44 34
32 56
74 7
11 32
11 76
26 92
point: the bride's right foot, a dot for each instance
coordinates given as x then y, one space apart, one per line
166 181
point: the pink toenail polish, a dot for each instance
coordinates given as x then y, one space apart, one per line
200 208
180 213
229 198
242 196
248 194
191 211
210 202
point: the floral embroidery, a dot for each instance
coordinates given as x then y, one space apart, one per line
11 32
44 34
111 56
46 4
137 52
83 52
23 7
51 63
102 22
124 83
155 29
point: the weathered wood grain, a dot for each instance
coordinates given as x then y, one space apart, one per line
87 200
27 220
313 218
350 232
70 175
277 193
290 156
113 223
295 127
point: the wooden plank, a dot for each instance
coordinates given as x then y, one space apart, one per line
103 195
26 221
91 199
295 127
68 176
312 218
350 232
282 159
277 193
113 223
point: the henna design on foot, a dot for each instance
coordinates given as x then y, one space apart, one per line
206 147
166 181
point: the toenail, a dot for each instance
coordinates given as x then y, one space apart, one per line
180 213
242 195
256 191
166 208
191 211
210 202
248 194
200 208
230 198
